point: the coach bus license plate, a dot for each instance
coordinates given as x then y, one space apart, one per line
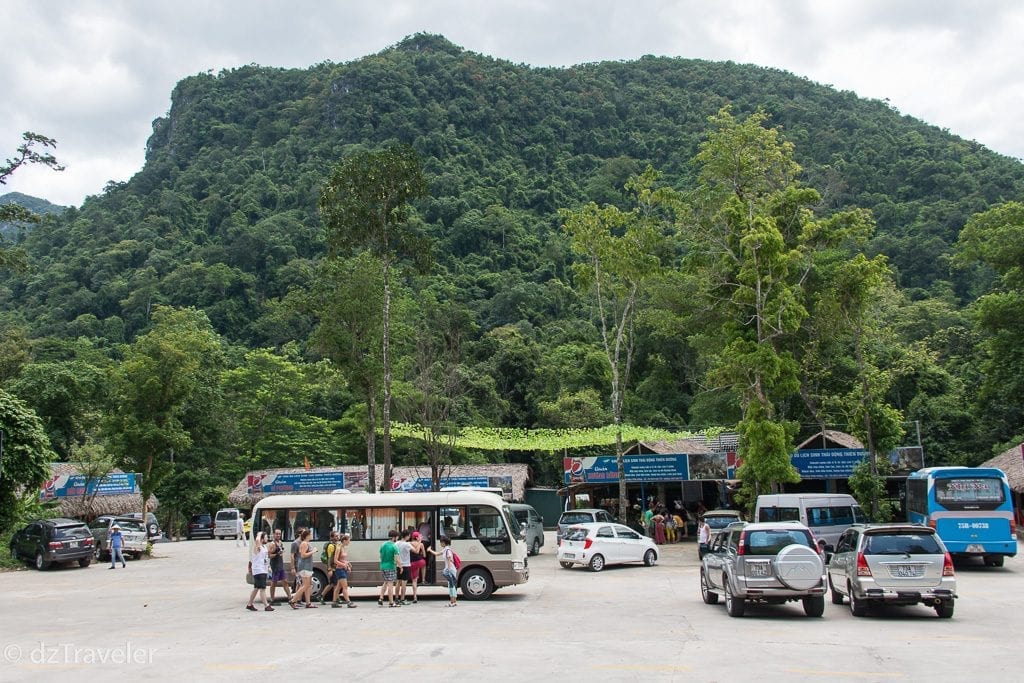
975 548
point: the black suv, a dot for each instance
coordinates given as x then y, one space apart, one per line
47 541
200 526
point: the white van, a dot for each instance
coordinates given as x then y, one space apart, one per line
533 526
226 523
827 515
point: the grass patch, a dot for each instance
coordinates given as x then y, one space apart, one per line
6 561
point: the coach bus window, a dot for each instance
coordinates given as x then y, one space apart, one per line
453 522
487 525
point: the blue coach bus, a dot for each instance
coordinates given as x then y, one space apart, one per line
970 508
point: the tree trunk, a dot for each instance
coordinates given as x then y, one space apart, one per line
868 429
371 439
386 362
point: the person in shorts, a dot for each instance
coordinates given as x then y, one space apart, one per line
295 559
259 567
278 575
405 562
342 567
332 547
390 563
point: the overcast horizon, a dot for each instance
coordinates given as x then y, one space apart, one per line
94 75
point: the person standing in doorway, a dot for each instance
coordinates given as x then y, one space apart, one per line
405 561
278 576
115 546
418 562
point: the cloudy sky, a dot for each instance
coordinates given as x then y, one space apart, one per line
93 74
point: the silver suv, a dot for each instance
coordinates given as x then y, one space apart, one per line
894 564
765 562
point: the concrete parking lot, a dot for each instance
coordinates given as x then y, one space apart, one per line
181 615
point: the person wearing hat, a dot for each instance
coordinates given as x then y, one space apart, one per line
418 561
115 546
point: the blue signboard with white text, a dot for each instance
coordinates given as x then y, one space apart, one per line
69 485
827 463
646 468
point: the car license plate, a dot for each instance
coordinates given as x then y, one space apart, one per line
73 544
760 569
975 548
906 571
569 555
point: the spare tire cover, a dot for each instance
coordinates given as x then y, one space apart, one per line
798 567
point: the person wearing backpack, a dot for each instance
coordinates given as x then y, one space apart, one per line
452 565
327 558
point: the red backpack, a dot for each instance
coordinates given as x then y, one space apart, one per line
457 561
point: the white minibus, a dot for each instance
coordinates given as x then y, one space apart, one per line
483 531
827 515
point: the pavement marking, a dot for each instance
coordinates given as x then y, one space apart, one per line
949 638
848 674
419 666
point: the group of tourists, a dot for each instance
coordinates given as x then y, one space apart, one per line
403 562
666 526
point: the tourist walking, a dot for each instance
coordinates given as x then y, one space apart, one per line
305 567
342 568
703 537
240 526
278 576
115 546
259 567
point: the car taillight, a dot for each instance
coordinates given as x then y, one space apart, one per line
1013 527
741 547
931 523
587 543
947 565
55 545
87 541
862 566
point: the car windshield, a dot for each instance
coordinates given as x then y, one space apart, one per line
130 525
522 516
70 532
576 518
771 541
578 534
902 544
201 519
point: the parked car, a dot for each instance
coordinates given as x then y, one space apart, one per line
597 545
769 563
892 564
133 535
581 516
533 526
719 519
48 541
152 525
200 526
226 523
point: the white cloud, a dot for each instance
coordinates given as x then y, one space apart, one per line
93 74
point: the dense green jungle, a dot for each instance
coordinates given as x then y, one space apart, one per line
199 317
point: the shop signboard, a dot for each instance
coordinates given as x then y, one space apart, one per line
70 485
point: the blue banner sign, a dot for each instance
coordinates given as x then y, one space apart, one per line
603 468
297 482
412 484
827 463
70 485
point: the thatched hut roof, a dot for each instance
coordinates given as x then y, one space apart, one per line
1011 462
243 497
830 438
79 507
679 446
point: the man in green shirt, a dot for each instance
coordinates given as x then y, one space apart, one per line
390 563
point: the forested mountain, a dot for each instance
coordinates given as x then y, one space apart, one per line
33 204
224 218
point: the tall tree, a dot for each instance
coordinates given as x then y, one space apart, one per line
751 244
15 213
996 238
24 456
619 257
163 372
365 205
346 299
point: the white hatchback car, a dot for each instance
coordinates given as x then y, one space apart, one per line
597 544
